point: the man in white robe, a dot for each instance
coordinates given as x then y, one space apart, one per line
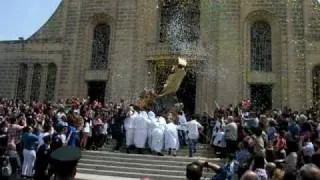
153 119
129 125
171 136
142 123
157 142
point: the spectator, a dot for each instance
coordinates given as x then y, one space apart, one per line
29 154
231 135
307 148
309 172
42 161
258 144
259 168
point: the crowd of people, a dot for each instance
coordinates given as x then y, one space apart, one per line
261 145
267 144
30 132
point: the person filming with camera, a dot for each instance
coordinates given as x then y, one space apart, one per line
194 170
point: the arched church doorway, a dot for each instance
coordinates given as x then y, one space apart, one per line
261 96
187 92
97 90
316 86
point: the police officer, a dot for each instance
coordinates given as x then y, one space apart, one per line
64 161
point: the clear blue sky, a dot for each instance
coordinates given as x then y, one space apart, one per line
22 18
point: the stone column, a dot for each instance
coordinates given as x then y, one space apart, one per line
44 77
29 81
200 100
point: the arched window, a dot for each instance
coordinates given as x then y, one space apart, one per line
180 20
22 81
261 54
100 46
51 81
36 82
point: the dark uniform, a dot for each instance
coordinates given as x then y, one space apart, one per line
42 163
63 162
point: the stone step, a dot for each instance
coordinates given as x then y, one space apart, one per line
205 152
124 163
141 161
129 174
208 149
199 146
81 176
106 154
184 153
140 175
127 169
137 165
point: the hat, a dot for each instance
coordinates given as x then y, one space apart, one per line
182 61
64 160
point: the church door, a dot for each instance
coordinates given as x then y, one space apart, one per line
96 90
261 96
187 92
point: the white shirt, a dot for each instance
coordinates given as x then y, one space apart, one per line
193 129
87 127
182 122
231 131
63 138
308 149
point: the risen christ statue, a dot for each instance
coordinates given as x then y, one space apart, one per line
167 99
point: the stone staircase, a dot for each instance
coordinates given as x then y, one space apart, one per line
119 164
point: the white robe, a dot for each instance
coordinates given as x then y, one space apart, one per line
157 143
153 119
141 129
129 125
171 136
218 127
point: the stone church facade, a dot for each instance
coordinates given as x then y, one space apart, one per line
267 50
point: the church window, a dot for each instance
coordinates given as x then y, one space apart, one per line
180 20
100 46
22 81
51 81
36 82
261 52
